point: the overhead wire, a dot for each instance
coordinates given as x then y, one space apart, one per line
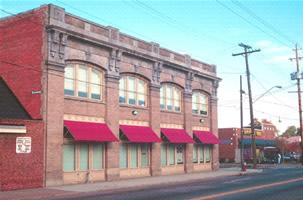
252 24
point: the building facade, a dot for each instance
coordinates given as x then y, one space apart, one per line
109 106
230 141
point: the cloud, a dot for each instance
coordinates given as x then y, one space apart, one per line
278 59
263 43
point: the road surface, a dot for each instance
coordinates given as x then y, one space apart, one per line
272 184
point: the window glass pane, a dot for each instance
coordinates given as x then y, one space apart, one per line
163 155
95 84
203 104
131 90
133 156
122 91
69 75
141 93
83 157
207 153
162 105
177 99
195 103
68 157
180 150
171 149
195 153
97 156
144 155
201 153
82 81
123 155
169 98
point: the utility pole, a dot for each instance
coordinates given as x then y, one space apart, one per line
241 121
248 50
298 76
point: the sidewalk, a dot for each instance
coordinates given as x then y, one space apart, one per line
120 185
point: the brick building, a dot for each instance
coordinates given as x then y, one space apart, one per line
229 147
98 104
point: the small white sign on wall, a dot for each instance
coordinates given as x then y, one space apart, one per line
23 144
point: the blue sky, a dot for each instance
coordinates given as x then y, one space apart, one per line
211 31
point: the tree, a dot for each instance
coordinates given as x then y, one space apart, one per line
290 131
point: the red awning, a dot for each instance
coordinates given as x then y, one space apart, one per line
139 134
90 131
206 137
177 135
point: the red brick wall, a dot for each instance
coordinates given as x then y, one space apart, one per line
227 151
20 171
21 53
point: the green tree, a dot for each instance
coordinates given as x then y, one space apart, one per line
290 131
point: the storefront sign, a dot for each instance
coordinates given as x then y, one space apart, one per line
247 131
23 144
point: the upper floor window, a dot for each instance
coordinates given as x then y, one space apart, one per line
170 98
132 91
82 81
199 103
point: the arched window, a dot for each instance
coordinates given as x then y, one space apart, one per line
132 91
83 80
170 98
199 103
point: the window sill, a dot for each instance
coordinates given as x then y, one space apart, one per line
133 106
172 112
197 115
81 99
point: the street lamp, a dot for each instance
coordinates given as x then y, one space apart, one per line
267 91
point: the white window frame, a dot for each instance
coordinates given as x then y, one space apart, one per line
90 69
200 104
166 146
174 89
139 153
126 91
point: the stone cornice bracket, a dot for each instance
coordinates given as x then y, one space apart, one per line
157 69
188 82
57 42
215 85
114 58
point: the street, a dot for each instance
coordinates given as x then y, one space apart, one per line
272 184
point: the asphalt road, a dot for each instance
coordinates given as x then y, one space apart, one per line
272 184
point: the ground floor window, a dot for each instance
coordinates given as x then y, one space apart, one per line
134 155
83 157
172 154
201 153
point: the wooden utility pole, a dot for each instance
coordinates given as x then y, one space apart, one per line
298 76
248 50
241 125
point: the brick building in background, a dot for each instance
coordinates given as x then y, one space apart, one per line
94 104
229 147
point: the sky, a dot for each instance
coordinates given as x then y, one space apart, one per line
210 31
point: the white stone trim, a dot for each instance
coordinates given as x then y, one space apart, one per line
176 126
82 118
134 123
200 128
12 129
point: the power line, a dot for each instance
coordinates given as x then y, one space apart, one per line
262 21
247 21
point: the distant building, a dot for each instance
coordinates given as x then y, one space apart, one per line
81 102
229 147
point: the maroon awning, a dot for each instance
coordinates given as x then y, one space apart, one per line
177 136
206 137
139 134
90 131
